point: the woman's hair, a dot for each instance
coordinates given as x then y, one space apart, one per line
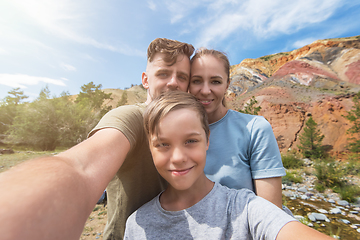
171 48
218 55
168 102
215 53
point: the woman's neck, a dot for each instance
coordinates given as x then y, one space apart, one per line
217 115
175 200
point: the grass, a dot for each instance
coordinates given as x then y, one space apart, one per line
9 160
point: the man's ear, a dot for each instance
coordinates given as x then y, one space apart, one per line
144 80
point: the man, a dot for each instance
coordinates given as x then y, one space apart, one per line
37 205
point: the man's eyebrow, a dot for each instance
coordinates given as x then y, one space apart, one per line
183 73
163 70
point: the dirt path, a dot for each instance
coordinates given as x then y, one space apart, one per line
95 224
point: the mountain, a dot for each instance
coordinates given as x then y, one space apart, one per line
317 80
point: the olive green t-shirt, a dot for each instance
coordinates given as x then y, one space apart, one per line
137 181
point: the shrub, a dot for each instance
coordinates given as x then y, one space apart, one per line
292 177
349 192
290 161
352 167
329 173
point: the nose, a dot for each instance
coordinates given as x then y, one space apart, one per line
173 83
205 90
177 156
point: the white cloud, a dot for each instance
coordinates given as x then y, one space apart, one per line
151 5
67 67
67 19
22 80
2 51
221 19
303 42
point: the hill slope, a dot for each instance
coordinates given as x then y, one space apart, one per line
316 80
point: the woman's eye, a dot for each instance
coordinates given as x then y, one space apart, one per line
195 81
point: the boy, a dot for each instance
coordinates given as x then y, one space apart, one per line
192 206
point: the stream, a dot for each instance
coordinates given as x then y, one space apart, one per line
341 219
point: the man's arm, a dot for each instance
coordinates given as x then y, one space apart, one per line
270 189
296 230
51 197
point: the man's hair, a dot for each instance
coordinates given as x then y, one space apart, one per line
170 48
170 101
215 53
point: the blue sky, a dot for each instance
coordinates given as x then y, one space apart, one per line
64 44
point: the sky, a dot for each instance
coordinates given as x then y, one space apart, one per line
64 44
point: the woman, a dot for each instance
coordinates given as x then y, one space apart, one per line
246 144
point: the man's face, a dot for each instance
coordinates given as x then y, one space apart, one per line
160 77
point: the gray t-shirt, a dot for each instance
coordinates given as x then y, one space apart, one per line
222 214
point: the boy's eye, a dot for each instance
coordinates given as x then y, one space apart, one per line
190 141
160 145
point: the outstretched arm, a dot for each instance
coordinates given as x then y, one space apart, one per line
51 197
270 189
296 230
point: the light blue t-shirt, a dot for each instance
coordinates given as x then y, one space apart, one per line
242 148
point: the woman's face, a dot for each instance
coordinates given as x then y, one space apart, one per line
208 83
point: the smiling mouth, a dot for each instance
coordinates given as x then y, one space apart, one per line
205 102
180 172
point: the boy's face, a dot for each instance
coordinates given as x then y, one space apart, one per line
160 77
179 152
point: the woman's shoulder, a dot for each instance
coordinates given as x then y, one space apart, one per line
243 117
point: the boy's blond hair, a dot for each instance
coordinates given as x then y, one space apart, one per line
168 102
170 48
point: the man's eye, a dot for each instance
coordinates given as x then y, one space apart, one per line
184 78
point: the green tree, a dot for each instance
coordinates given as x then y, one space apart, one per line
15 96
92 96
123 99
8 109
50 122
37 124
310 140
250 107
354 117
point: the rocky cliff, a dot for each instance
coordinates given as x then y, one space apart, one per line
317 80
